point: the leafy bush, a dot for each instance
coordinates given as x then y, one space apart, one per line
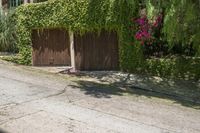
7 33
175 67
149 35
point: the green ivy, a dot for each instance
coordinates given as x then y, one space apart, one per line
94 15
179 67
79 16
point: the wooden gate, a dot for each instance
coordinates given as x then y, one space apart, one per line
51 47
97 51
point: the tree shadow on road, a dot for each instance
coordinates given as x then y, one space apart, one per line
119 88
98 90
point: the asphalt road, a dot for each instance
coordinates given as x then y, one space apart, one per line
32 101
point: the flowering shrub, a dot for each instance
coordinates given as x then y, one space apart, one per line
148 33
144 33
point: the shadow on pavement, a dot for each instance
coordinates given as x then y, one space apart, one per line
2 131
165 89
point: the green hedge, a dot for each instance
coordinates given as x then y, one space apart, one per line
178 67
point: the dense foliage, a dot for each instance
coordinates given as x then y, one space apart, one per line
149 35
77 15
7 33
178 67
181 25
163 27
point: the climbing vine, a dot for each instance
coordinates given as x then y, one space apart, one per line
78 15
94 15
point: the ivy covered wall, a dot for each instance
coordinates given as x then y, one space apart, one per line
80 16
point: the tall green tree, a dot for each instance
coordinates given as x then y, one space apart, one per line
181 21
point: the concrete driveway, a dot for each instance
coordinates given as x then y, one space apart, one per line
33 101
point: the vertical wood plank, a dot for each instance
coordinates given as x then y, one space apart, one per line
97 52
51 47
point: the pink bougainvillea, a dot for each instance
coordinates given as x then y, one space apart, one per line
149 33
146 28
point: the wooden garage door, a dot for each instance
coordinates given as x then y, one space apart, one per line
51 47
97 51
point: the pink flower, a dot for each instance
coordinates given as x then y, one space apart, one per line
141 21
146 34
138 36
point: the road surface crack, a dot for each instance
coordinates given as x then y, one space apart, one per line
16 118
